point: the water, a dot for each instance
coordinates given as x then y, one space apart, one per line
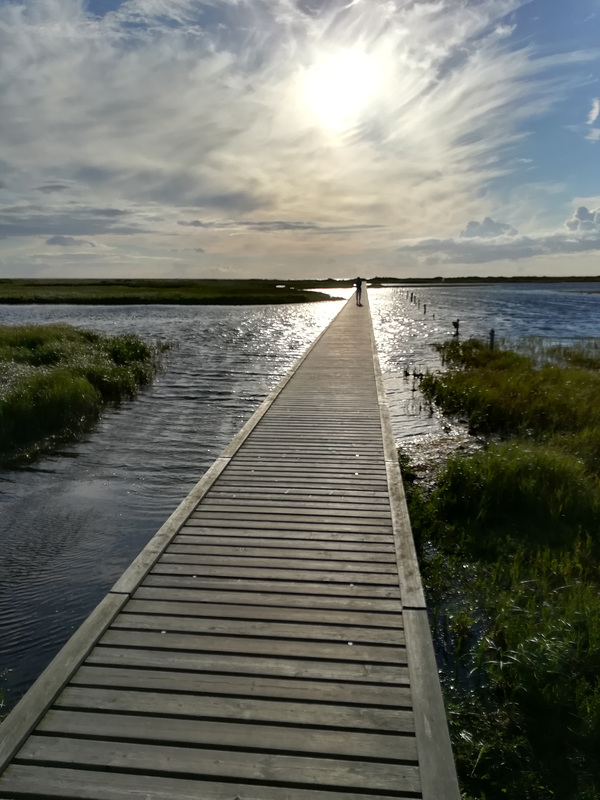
71 524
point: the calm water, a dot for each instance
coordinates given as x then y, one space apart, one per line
71 524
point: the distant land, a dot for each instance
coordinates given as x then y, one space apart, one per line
204 291
149 291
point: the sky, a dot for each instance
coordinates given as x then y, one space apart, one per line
299 138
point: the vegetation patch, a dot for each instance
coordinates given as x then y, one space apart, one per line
177 292
509 542
55 380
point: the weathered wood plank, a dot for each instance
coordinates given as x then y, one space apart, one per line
215 521
191 555
287 575
239 664
273 648
296 714
157 604
216 626
231 734
287 534
214 544
324 555
29 781
270 687
321 595
231 764
188 589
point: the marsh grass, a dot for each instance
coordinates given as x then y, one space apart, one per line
509 542
183 292
55 380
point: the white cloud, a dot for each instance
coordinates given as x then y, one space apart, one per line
594 112
594 135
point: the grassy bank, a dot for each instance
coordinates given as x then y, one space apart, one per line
55 380
510 546
182 292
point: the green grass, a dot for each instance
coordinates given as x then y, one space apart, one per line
183 292
55 380
509 543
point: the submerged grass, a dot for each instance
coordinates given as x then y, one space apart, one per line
55 379
509 541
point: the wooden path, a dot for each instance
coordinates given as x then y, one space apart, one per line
271 641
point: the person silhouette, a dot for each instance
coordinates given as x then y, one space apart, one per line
358 283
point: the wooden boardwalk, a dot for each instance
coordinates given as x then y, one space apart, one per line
271 641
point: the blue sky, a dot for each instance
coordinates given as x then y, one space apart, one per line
299 138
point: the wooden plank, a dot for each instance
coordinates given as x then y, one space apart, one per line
272 513
160 586
239 664
325 651
76 784
191 555
231 764
286 575
309 508
216 626
271 687
212 544
327 555
347 493
204 520
330 535
231 734
254 611
320 595
296 714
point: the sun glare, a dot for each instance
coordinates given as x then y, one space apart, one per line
338 89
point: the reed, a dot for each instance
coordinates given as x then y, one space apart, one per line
56 379
509 543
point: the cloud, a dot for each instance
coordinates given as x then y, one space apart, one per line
583 237
487 229
204 104
275 226
594 135
69 241
594 112
50 188
153 119
584 220
27 219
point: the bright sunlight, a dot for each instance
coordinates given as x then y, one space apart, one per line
338 89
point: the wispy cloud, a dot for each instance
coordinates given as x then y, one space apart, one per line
594 111
123 124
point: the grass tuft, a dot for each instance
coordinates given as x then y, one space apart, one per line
55 380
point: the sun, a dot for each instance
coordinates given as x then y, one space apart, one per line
339 88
